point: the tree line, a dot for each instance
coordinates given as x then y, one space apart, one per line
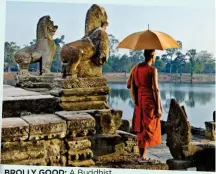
172 61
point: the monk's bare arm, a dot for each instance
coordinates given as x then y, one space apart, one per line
156 90
130 78
129 82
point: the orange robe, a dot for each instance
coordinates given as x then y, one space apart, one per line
144 123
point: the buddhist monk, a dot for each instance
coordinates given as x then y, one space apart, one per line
143 83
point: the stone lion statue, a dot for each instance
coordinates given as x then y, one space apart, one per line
85 57
43 51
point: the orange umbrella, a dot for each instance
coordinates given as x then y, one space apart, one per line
148 40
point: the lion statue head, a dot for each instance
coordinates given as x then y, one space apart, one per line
96 17
46 28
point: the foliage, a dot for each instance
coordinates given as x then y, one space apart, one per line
173 61
9 52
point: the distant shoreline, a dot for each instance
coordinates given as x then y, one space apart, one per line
162 78
165 78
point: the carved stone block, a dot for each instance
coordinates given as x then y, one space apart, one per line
85 163
210 130
103 90
125 126
44 81
54 147
18 151
14 129
78 124
80 82
56 161
85 105
130 141
80 155
31 162
82 98
45 126
105 144
179 164
107 121
17 100
79 144
178 130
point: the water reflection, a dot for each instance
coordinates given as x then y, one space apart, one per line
199 100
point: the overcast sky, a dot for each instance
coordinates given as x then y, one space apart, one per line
195 27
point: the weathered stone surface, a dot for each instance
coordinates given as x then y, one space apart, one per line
125 126
197 131
85 57
86 105
178 130
82 98
80 155
35 81
85 163
54 147
127 161
78 124
189 150
79 144
107 121
80 82
103 90
105 144
31 162
210 130
12 152
14 129
56 161
204 158
45 126
179 164
17 100
42 51
130 142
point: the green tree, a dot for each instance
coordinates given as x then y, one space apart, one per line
56 64
192 54
159 64
124 66
107 68
10 49
171 52
113 43
205 62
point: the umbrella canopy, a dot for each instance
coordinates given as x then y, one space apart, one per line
148 40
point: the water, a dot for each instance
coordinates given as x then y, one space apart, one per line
198 99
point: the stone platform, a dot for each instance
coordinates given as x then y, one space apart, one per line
81 93
38 83
17 101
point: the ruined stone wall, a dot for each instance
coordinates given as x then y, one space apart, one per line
65 138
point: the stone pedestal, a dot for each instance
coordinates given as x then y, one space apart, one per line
45 126
81 93
38 83
78 124
210 130
79 127
17 100
20 152
107 121
179 164
14 129
79 152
